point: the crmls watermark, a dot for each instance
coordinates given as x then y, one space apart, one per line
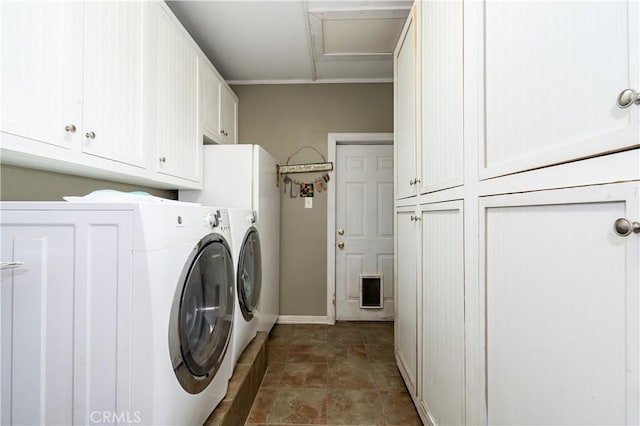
119 417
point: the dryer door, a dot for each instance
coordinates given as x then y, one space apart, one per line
249 276
202 314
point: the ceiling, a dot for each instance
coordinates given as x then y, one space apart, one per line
296 41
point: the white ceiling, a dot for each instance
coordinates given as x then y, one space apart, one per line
298 40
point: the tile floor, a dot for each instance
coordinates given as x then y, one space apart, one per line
332 375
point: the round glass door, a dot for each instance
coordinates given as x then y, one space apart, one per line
202 314
249 277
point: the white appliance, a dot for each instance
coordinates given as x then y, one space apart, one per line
114 312
245 177
247 257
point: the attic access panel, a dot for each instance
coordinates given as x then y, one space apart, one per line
362 34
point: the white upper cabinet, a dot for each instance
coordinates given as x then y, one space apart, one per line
405 110
176 125
228 115
42 71
115 90
552 75
209 94
441 103
218 107
113 72
72 76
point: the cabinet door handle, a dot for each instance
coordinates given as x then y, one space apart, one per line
411 182
163 159
624 227
416 181
10 265
90 135
70 128
628 97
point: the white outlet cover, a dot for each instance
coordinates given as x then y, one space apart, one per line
308 203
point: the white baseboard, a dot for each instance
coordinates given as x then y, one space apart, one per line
303 319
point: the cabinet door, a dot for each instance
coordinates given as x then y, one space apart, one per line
553 72
442 354
65 326
441 95
228 115
406 297
113 71
41 78
405 110
179 147
209 92
562 318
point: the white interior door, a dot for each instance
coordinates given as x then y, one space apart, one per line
364 227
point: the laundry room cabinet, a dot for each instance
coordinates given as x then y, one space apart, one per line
406 295
109 90
218 106
228 115
174 117
64 307
520 278
561 303
72 78
441 280
405 130
41 80
552 74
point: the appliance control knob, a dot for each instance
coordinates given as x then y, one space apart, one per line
212 218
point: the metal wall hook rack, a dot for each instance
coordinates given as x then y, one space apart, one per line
287 168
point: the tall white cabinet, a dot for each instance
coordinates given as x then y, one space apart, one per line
528 301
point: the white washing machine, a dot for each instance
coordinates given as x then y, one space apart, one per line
135 312
247 257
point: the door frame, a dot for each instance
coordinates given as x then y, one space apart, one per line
333 140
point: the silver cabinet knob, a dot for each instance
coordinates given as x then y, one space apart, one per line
411 182
90 135
70 128
163 159
416 181
628 97
624 227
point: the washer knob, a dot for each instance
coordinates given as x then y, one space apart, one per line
213 219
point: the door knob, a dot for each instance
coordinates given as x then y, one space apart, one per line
340 231
341 245
624 227
628 97
90 135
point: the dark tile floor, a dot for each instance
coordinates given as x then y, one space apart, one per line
332 375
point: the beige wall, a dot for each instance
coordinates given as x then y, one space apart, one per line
283 118
20 184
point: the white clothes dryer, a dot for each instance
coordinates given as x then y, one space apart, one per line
136 312
247 257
